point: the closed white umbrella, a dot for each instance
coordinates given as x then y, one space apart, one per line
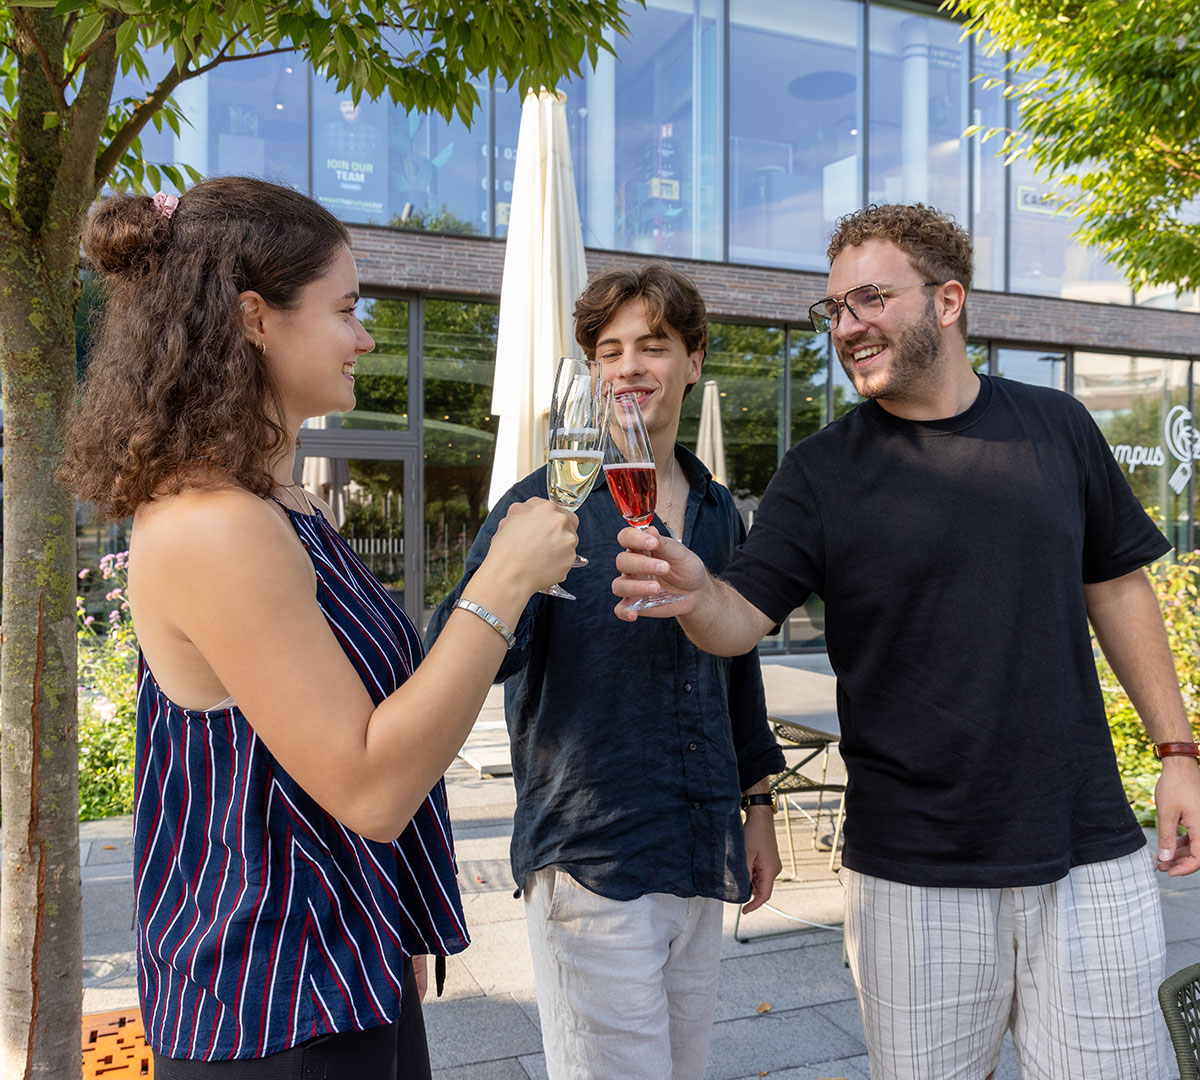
710 440
544 273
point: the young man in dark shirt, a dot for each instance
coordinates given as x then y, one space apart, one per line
963 531
631 748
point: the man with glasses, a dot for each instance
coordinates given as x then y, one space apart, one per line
963 531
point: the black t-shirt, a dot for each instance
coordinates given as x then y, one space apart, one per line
952 556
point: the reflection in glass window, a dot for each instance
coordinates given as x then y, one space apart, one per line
810 413
644 147
990 204
508 129
367 501
460 434
1045 259
257 112
1032 366
380 376
810 379
918 111
795 118
377 164
747 363
1140 404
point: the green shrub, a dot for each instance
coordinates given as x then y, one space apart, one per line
1177 585
107 697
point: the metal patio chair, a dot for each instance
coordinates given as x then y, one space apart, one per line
1179 997
791 781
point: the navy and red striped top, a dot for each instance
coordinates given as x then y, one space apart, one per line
261 920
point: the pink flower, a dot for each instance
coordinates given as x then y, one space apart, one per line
84 573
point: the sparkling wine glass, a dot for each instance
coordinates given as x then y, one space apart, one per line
576 441
629 473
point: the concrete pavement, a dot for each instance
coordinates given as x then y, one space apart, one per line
787 1005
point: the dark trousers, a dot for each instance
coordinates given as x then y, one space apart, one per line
395 1051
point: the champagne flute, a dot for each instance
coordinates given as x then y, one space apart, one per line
629 473
576 439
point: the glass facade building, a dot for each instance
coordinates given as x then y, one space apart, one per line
727 135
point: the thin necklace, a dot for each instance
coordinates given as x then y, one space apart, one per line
301 494
670 493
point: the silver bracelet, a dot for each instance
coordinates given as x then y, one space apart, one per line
493 621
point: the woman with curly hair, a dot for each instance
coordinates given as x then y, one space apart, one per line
291 842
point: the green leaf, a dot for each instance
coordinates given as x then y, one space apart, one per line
87 30
49 120
127 34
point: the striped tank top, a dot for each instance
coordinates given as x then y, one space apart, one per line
261 920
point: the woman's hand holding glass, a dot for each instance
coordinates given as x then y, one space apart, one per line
534 547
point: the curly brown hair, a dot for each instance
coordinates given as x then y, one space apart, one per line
937 246
176 395
671 299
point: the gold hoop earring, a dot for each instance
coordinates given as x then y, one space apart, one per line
261 346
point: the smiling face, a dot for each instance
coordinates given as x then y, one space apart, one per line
311 349
896 356
658 369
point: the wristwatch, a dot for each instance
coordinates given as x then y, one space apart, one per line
763 798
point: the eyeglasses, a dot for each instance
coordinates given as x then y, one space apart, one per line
863 302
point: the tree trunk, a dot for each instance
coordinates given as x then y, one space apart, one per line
40 923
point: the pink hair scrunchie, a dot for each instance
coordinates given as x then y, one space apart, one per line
165 204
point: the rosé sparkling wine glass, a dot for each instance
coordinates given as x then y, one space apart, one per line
576 440
629 473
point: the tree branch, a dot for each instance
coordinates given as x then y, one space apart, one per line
1168 155
124 136
234 59
47 68
83 57
75 184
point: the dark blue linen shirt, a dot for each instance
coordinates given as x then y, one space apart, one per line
630 746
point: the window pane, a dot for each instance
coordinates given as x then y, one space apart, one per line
1140 404
918 111
460 355
1045 259
380 376
367 500
988 110
350 154
1032 366
257 112
810 378
795 117
747 364
645 147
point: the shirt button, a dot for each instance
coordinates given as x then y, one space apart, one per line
687 687
696 806
693 746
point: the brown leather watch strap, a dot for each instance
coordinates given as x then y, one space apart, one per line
1176 749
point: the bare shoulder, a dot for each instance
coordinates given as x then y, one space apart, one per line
198 530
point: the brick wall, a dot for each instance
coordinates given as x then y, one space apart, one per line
472 267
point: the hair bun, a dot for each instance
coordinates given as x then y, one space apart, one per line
126 235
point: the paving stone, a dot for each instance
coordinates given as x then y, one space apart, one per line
478 1030
777 1040
789 980
505 1069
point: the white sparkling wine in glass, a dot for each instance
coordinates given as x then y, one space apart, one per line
578 429
572 474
